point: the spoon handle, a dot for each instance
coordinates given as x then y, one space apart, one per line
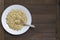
33 26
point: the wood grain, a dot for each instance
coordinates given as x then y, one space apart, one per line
1 28
58 21
32 36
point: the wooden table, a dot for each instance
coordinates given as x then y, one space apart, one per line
44 16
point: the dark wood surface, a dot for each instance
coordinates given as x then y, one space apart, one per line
44 16
1 28
58 21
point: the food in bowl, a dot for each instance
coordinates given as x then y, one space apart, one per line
14 18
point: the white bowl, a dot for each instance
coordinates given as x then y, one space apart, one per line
5 25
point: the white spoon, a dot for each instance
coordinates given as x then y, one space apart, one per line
33 26
20 21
